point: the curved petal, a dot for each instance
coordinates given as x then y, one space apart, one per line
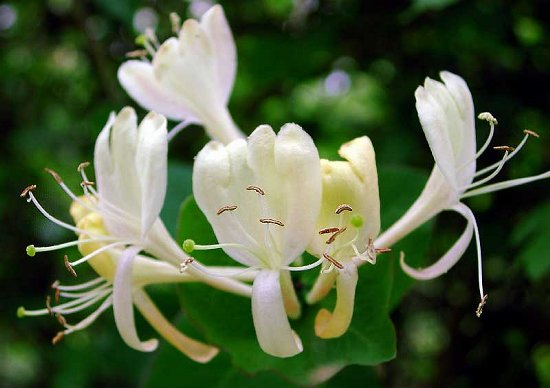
151 162
290 299
335 324
323 285
450 258
123 308
270 321
195 350
138 79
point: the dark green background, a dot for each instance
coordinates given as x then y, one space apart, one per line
58 83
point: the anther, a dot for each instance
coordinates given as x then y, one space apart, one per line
61 319
82 166
48 305
271 221
488 117
343 207
175 20
333 261
184 264
69 266
334 235
382 250
504 148
31 250
26 190
57 291
483 302
329 230
58 337
54 174
136 54
532 133
226 209
86 183
256 189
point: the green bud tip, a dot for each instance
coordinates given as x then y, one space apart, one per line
188 245
356 220
21 312
141 40
31 250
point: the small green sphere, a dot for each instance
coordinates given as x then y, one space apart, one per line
356 220
21 312
188 245
141 40
31 251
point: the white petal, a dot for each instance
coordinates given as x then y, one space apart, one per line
272 328
335 324
151 162
217 29
195 350
138 79
122 303
449 259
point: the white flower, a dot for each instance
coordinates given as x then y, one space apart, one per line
446 112
262 198
190 77
346 228
117 221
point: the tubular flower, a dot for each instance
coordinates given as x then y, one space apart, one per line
117 221
267 232
190 77
446 112
348 223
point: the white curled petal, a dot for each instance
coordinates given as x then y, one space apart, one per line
270 321
195 350
298 165
335 324
123 308
138 79
151 162
450 258
102 154
217 29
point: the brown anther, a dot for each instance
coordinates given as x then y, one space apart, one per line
483 302
334 235
69 266
504 148
136 54
55 284
189 260
382 250
86 183
329 230
54 174
58 337
529 132
271 221
55 287
61 319
256 189
27 190
343 207
48 304
226 209
82 166
333 261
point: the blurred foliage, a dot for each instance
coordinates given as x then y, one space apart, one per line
340 68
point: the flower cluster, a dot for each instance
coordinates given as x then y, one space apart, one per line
269 198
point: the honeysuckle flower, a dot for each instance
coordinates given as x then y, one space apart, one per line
120 219
190 77
262 198
348 223
446 112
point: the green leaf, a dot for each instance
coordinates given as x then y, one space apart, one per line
179 182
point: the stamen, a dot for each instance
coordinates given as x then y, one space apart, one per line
58 337
82 166
61 319
271 221
86 184
489 177
510 156
57 294
32 250
54 175
98 251
483 302
81 286
178 128
225 209
488 117
334 235
69 266
343 207
256 189
150 34
185 264
333 261
304 267
27 190
532 133
329 230
175 20
90 318
48 304
504 148
136 54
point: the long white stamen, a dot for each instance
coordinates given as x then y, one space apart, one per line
505 185
98 251
488 177
94 291
82 306
305 267
483 148
90 318
64 308
178 128
510 156
81 286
